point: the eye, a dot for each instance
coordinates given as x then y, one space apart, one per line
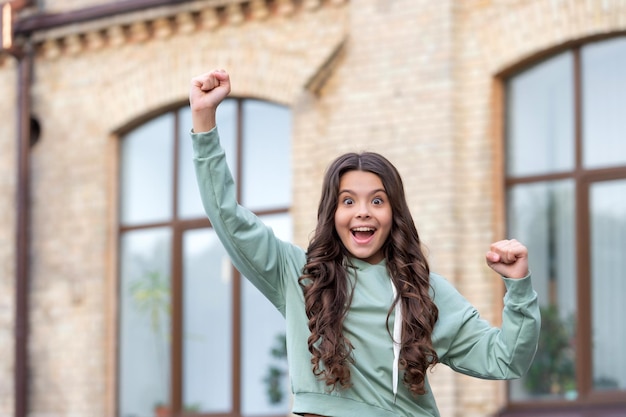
347 201
377 201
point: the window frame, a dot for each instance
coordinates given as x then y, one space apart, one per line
599 401
178 227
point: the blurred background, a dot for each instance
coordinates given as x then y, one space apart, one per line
506 118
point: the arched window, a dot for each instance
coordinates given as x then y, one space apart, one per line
194 336
566 199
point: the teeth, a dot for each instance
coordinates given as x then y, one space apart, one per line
363 229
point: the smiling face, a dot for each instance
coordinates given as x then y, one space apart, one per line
363 216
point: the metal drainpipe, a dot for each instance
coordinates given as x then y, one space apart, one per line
22 270
23 54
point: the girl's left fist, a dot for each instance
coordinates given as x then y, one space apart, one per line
508 258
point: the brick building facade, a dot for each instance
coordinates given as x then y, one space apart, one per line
417 80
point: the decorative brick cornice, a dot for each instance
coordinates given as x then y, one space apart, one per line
163 22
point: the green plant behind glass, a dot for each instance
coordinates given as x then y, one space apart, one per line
275 373
151 297
553 371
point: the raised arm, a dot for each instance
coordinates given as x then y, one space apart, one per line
472 346
252 246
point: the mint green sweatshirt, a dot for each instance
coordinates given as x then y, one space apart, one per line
463 341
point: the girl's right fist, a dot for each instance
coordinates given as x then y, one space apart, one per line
208 90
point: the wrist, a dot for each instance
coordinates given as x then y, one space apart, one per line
203 121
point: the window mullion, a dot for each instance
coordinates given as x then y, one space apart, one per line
236 311
583 322
583 267
176 300
176 284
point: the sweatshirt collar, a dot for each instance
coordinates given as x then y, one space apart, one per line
362 265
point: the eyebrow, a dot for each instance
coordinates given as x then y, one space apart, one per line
376 191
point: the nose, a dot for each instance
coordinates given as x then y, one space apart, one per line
363 211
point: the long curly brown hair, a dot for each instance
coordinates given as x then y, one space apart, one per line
327 294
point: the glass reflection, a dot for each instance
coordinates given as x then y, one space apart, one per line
542 216
207 327
540 119
146 172
266 155
604 90
608 263
144 302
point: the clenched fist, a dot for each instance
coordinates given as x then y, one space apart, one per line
508 258
206 93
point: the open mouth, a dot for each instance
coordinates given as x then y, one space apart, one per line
362 233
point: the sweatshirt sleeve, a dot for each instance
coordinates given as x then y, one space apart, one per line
470 345
252 246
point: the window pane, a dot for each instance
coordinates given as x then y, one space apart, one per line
542 217
266 155
604 111
540 119
207 329
265 384
144 373
146 172
189 203
608 260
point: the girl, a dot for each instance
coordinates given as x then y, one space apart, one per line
365 316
